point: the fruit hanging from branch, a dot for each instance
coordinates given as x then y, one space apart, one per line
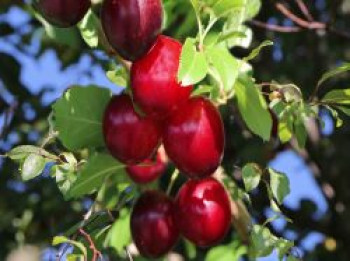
203 211
148 170
132 26
154 79
194 138
153 224
129 137
63 13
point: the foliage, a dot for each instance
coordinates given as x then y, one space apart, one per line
76 157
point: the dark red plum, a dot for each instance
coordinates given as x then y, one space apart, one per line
129 137
153 226
63 13
131 26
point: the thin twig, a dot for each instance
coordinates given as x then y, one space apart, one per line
276 28
303 8
299 21
95 252
172 181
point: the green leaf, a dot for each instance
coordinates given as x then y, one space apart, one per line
262 241
251 174
119 235
284 133
257 50
191 249
253 108
341 69
94 173
252 9
32 166
231 252
279 183
274 205
59 240
283 246
345 110
202 89
224 7
290 92
119 76
89 29
75 257
225 65
234 25
78 116
300 133
221 253
236 193
339 121
64 240
65 174
22 152
195 4
337 97
193 64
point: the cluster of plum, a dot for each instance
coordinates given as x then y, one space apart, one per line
160 110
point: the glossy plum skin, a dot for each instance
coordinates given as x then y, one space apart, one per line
152 169
131 26
63 13
194 138
153 226
203 211
129 137
154 79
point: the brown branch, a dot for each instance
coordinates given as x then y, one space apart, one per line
303 8
241 219
95 253
276 28
299 21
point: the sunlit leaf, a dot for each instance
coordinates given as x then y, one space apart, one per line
251 174
193 64
120 235
279 183
78 116
257 50
32 166
341 69
94 173
253 108
337 97
89 29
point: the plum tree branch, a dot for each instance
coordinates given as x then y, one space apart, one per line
303 8
299 21
241 219
300 24
95 252
276 28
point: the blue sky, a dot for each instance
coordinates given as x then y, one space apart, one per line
46 71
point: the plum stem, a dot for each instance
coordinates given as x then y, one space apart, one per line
172 181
